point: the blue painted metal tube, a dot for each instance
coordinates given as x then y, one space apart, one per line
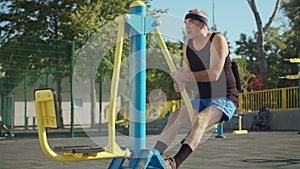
220 129
137 131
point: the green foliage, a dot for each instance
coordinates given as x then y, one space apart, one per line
158 74
30 27
33 56
52 25
274 44
244 74
53 19
246 48
291 9
277 46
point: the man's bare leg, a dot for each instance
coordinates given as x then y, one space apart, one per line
176 120
205 118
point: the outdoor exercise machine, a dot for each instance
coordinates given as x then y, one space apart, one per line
293 77
236 119
240 131
138 25
46 111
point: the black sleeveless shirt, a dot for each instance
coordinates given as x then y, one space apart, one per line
225 86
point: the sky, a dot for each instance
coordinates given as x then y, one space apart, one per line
231 16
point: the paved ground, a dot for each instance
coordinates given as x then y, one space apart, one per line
257 150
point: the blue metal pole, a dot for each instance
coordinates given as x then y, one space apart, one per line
137 26
220 130
137 65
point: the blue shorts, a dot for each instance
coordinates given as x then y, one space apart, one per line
224 104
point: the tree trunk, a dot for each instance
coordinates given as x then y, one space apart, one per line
261 56
260 43
260 38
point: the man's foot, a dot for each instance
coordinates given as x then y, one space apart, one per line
170 163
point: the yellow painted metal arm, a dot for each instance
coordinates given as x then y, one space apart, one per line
112 146
291 77
293 60
172 67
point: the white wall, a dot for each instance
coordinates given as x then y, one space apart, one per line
82 113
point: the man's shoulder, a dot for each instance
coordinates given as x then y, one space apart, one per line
219 39
219 36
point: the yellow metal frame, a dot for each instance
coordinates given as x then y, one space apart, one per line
46 118
46 114
112 146
240 131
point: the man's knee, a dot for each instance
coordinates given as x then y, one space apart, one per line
202 115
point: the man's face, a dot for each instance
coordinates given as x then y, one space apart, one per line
192 27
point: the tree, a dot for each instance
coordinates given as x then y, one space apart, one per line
96 19
244 74
291 9
260 37
246 48
43 20
77 20
275 45
60 20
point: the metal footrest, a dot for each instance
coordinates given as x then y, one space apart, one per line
78 149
